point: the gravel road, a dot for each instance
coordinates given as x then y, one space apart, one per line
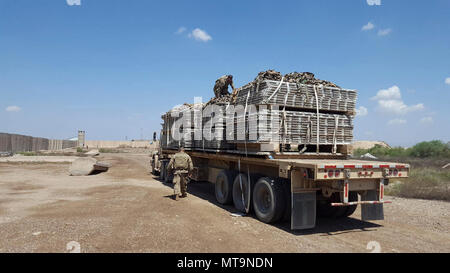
42 209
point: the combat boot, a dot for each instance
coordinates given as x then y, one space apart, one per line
176 197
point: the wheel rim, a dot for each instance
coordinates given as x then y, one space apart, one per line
263 199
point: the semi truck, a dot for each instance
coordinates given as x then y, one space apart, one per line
290 186
304 172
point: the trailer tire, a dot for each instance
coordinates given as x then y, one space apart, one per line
224 187
237 193
162 173
324 208
268 201
353 196
168 178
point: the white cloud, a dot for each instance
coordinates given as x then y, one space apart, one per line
384 32
369 26
390 101
373 2
387 94
13 108
447 80
73 2
396 121
200 35
361 111
398 107
426 120
180 30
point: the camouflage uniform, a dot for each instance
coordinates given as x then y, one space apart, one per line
221 86
182 165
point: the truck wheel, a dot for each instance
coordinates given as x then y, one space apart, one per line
224 187
237 192
353 196
324 208
168 178
268 200
162 173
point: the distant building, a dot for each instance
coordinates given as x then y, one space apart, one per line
81 139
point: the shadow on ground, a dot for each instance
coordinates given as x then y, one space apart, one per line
326 226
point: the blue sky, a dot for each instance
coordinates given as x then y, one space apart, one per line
112 67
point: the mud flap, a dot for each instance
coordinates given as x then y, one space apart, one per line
371 211
303 213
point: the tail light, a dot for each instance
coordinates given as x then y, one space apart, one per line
330 173
337 173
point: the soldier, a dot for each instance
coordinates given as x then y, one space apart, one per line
182 165
221 86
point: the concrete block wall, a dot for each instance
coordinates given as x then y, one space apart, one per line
19 143
119 144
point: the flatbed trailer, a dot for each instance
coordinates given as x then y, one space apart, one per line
290 186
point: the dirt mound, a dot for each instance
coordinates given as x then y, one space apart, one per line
367 144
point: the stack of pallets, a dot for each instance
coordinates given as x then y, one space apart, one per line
293 127
211 132
298 96
284 115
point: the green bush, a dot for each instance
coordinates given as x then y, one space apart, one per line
426 149
79 150
435 148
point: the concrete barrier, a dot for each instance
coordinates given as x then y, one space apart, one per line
19 143
5 142
119 144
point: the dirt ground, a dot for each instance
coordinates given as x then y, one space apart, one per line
42 209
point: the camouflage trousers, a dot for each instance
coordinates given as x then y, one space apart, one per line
180 183
220 91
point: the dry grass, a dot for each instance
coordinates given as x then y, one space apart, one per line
424 183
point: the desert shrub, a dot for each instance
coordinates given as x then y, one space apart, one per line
425 149
435 148
424 183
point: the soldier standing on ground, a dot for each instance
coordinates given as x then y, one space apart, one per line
221 86
181 164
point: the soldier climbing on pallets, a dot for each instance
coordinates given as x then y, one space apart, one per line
181 164
221 86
